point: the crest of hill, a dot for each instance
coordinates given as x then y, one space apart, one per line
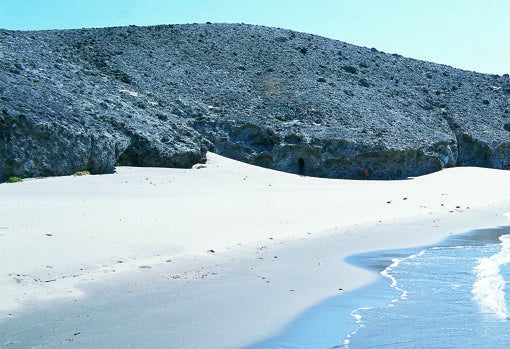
164 95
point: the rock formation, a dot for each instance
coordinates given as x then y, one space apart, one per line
163 96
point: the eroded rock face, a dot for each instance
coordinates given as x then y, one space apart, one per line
163 96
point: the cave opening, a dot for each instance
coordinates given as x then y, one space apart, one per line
301 166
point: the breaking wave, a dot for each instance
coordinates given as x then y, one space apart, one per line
489 288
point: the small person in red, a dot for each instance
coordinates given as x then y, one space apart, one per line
366 173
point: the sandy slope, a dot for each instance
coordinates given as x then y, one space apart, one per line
272 234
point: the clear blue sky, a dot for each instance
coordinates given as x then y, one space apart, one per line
468 34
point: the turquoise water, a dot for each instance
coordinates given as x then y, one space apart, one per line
454 295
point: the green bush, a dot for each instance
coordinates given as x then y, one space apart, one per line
81 173
14 179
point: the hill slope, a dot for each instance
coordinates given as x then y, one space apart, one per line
162 96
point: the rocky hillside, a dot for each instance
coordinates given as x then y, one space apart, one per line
162 96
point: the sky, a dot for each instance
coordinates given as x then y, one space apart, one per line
467 34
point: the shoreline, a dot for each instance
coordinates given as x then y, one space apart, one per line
236 299
323 324
280 242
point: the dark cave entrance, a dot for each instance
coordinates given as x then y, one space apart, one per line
301 166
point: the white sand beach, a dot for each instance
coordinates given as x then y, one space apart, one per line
240 251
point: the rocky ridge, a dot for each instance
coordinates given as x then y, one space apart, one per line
164 95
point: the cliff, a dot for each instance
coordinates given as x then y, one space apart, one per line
163 96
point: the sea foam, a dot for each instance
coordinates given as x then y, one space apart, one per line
489 288
356 314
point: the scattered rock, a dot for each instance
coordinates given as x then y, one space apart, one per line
350 69
364 82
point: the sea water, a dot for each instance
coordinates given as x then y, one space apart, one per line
453 295
445 297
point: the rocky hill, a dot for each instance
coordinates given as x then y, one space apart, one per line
162 96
